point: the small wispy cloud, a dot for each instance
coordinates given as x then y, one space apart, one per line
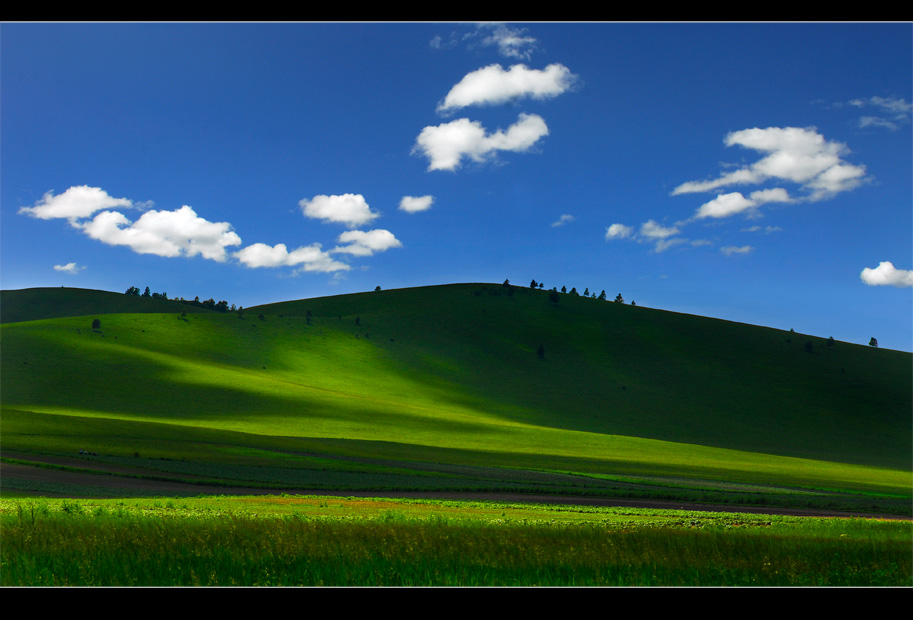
70 268
731 250
885 274
564 219
511 42
765 229
651 231
893 112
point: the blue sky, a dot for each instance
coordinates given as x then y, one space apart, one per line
758 173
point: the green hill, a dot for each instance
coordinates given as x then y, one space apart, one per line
32 304
395 389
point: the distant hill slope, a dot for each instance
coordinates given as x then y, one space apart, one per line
624 370
474 367
32 304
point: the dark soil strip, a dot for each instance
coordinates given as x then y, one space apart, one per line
40 474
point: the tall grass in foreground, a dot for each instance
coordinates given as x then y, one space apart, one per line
79 546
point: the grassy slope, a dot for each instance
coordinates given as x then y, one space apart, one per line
451 372
50 303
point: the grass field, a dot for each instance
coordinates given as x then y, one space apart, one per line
322 541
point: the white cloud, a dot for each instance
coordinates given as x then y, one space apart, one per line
876 121
653 230
725 205
564 219
363 243
662 237
183 233
348 209
799 155
618 231
885 274
445 145
164 233
493 85
311 257
775 194
511 42
662 245
729 250
766 229
77 202
897 112
414 204
70 268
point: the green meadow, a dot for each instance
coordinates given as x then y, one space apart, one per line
338 541
465 388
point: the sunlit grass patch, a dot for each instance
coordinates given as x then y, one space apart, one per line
348 541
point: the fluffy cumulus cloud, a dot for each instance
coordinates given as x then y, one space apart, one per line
70 268
309 258
184 233
493 85
76 203
414 204
886 274
733 203
447 144
794 154
349 209
366 243
164 233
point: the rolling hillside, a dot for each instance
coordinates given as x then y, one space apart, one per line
52 303
469 375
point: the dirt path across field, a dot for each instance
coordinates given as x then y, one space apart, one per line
46 475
